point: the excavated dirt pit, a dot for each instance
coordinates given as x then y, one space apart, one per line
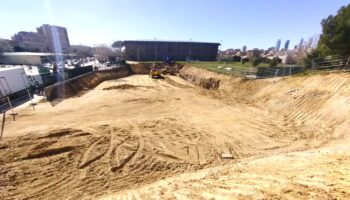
287 139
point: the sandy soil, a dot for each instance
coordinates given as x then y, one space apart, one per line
145 138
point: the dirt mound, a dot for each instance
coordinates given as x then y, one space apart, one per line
144 68
302 175
123 87
203 78
144 100
111 158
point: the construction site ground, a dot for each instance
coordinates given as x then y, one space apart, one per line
143 138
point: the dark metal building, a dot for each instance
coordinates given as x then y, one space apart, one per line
136 50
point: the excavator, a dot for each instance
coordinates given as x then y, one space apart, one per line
155 72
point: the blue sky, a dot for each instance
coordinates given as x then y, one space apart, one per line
255 23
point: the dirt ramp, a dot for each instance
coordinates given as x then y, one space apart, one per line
88 81
203 78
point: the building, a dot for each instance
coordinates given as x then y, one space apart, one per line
254 53
278 45
244 49
48 38
301 44
286 45
57 37
30 41
137 50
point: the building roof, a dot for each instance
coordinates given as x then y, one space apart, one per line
8 67
26 54
169 41
30 54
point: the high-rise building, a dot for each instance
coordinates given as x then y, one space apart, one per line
301 44
286 45
244 49
30 41
57 36
278 45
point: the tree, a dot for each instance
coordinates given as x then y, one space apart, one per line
5 46
103 53
275 61
256 61
335 37
118 45
82 51
18 49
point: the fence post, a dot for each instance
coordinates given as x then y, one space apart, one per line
347 63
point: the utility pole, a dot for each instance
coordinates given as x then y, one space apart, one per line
155 49
190 51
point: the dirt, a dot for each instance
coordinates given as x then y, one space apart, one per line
164 138
125 87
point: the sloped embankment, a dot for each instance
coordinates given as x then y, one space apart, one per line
88 81
315 105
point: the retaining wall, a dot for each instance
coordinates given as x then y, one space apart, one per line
84 82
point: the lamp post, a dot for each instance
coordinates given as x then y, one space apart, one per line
155 49
190 50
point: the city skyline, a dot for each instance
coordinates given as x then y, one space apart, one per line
91 23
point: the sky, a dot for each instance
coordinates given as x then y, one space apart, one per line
233 23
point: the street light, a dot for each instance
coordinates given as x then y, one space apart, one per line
155 49
190 50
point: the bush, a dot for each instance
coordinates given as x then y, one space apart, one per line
236 58
244 60
256 61
275 61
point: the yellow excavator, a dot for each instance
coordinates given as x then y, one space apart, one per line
155 72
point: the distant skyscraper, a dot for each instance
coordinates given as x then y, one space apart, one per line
286 45
301 44
309 43
278 45
244 49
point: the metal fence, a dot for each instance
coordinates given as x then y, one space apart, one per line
317 65
21 97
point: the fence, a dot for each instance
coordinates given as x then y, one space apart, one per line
316 65
48 79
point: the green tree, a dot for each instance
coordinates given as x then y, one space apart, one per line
275 61
256 61
335 37
5 46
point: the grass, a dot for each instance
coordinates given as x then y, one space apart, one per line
232 68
